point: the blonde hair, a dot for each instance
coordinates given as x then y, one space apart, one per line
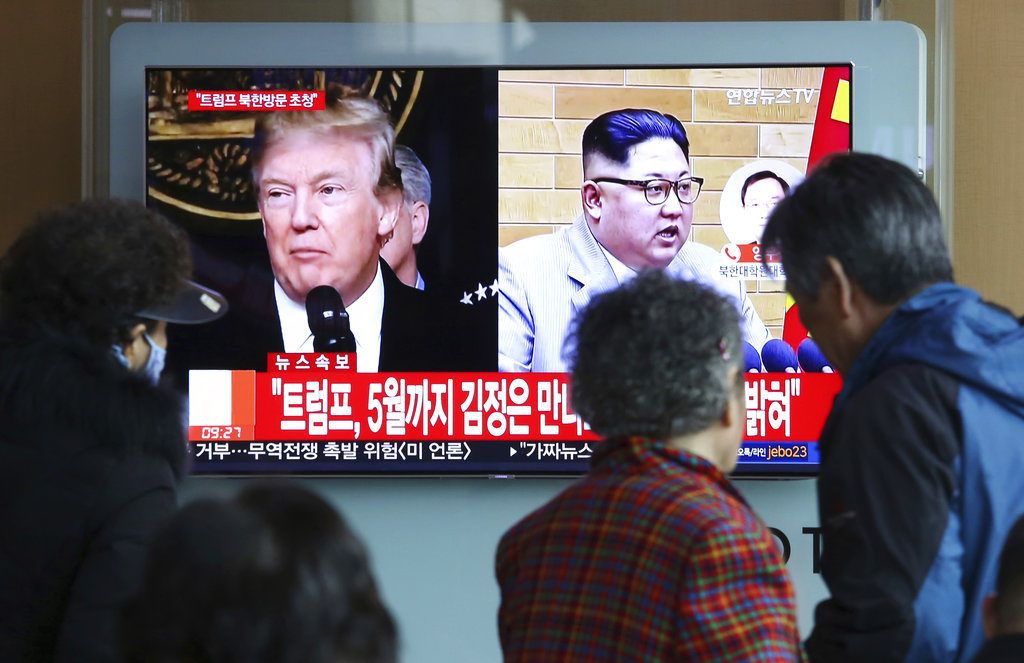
359 116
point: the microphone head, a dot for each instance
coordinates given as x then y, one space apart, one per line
812 359
328 320
751 359
324 309
778 357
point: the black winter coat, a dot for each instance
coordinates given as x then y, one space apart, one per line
90 455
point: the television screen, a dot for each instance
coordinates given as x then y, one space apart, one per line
450 373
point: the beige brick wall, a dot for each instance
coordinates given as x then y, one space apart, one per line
542 115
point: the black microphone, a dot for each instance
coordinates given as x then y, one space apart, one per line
778 357
812 359
328 321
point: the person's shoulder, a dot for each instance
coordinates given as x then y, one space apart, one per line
535 525
904 385
549 531
61 362
428 303
696 248
705 505
697 254
903 416
903 376
541 250
717 520
60 383
520 536
701 263
422 330
681 506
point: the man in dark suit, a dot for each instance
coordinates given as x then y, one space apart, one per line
413 219
329 194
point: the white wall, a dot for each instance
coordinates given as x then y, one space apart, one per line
432 543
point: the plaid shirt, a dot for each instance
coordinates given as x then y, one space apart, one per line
653 556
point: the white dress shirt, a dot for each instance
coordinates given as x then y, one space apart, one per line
364 315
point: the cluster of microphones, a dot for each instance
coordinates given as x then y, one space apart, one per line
329 323
328 320
777 356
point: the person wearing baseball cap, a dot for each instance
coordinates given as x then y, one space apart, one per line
90 453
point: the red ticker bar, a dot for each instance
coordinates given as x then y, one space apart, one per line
331 404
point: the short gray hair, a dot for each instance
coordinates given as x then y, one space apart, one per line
415 176
872 214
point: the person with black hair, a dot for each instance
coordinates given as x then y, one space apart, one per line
654 555
638 195
91 449
1003 610
274 574
922 453
759 195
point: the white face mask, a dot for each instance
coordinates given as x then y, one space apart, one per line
154 364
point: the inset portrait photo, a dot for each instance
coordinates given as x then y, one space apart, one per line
751 193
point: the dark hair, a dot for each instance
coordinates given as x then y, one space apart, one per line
274 574
757 177
870 213
615 132
652 357
1010 580
87 268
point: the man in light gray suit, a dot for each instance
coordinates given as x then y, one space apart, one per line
638 194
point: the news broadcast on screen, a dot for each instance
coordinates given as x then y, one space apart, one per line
318 239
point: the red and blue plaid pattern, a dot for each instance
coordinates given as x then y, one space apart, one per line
653 556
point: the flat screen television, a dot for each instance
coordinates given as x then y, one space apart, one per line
495 114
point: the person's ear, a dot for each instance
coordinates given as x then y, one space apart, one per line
390 205
732 421
838 286
419 217
734 410
592 199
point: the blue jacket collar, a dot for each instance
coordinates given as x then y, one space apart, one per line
950 328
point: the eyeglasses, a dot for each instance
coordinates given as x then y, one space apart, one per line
763 204
656 191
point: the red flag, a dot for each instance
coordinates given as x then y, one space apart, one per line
832 120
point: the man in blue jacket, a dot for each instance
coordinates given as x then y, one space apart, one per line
922 470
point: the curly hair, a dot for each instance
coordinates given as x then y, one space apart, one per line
274 574
653 358
87 268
